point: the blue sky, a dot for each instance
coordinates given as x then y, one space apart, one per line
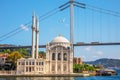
90 26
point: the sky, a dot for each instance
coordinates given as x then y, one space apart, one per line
89 25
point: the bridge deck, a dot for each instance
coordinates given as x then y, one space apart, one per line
81 44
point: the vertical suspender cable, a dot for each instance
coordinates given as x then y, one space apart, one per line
100 26
92 26
77 25
109 28
85 26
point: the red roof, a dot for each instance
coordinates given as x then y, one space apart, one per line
3 55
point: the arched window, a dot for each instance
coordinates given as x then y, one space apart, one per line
65 56
59 56
53 56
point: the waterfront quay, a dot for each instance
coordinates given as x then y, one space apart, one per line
13 74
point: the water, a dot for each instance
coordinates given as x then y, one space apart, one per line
115 77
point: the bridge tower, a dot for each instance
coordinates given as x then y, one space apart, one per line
72 26
72 21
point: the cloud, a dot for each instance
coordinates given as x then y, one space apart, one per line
84 57
88 48
62 20
95 56
24 27
94 52
99 53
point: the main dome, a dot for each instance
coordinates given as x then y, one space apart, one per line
58 39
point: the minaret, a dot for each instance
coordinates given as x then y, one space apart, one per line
33 35
37 37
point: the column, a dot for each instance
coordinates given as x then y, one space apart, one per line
50 61
62 62
68 61
71 61
35 66
24 66
56 54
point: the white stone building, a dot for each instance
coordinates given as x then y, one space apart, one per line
59 56
59 59
30 66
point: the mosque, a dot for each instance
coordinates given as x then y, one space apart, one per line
59 55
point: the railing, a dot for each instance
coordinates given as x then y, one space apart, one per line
7 72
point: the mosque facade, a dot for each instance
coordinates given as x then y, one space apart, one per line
59 56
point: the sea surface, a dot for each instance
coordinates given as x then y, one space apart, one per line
115 77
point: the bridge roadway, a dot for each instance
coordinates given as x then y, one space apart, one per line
75 45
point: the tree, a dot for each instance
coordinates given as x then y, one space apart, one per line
12 57
23 51
82 67
76 68
5 51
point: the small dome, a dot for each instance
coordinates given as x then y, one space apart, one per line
58 39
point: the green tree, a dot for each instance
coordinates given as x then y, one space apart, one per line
83 67
12 57
5 51
23 51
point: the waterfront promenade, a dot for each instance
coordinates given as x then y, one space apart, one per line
13 74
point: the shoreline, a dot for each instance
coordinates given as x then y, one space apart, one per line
46 75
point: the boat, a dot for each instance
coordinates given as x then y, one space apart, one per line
106 72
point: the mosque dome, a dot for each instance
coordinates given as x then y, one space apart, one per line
59 39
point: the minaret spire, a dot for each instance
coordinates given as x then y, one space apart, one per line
37 37
33 35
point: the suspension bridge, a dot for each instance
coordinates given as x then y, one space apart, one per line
73 4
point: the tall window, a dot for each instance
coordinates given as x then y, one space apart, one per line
59 68
53 56
19 63
64 67
42 63
29 69
26 63
26 69
53 67
65 56
59 56
32 63
36 63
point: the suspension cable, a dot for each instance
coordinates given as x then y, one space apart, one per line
43 17
97 9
